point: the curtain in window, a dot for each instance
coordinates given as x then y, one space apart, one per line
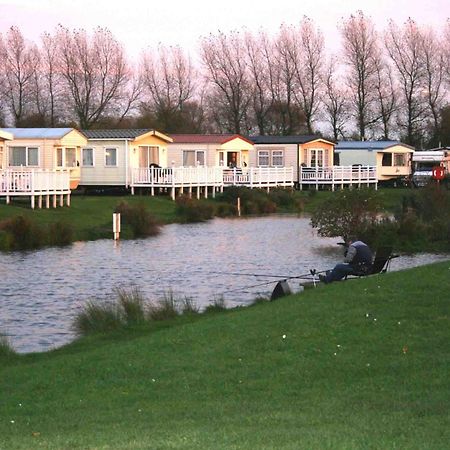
17 156
88 157
188 158
263 158
277 158
33 156
111 157
71 157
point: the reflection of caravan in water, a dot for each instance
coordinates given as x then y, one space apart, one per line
424 161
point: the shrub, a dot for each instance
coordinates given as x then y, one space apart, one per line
98 318
225 210
23 233
142 223
60 233
347 212
192 210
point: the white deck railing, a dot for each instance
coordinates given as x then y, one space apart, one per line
33 182
177 176
338 175
259 176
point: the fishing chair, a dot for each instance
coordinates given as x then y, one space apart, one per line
381 262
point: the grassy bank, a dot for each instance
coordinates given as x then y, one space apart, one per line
354 365
91 216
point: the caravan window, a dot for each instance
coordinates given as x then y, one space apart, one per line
88 157
23 156
387 159
111 157
399 159
263 158
277 158
193 158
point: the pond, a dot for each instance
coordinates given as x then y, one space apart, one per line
42 291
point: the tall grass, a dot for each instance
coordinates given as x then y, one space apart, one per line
131 305
6 349
97 318
164 309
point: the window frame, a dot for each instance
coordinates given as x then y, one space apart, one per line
260 152
110 166
92 149
196 152
27 149
272 157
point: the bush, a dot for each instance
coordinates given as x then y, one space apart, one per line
191 210
142 223
348 212
60 233
23 233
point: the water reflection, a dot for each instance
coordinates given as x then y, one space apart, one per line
41 291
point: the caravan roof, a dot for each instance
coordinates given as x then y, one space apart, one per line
428 156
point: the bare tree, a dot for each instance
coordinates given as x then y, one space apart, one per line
260 54
434 68
386 96
307 57
286 115
336 107
17 71
95 71
224 57
169 80
405 47
361 53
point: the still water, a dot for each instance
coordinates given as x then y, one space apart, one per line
41 291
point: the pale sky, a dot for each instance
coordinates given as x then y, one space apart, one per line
139 24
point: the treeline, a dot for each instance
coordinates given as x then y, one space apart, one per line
390 83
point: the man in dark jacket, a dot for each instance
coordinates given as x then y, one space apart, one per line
358 261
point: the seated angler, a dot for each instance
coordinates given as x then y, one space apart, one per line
358 261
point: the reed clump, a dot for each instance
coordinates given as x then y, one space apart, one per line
141 222
6 349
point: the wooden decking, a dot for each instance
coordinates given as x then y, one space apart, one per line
215 178
338 176
38 184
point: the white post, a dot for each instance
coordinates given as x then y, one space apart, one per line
116 226
239 206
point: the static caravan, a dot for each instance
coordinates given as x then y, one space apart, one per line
292 151
110 156
4 136
211 150
45 148
391 158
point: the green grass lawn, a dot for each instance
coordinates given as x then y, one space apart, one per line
91 216
362 364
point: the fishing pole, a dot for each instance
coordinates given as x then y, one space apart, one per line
312 273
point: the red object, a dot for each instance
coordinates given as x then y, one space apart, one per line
438 173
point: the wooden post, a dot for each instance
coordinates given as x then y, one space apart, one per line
40 201
239 206
47 201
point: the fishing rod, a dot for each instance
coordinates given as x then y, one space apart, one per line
312 273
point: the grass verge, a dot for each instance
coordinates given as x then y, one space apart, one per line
353 365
